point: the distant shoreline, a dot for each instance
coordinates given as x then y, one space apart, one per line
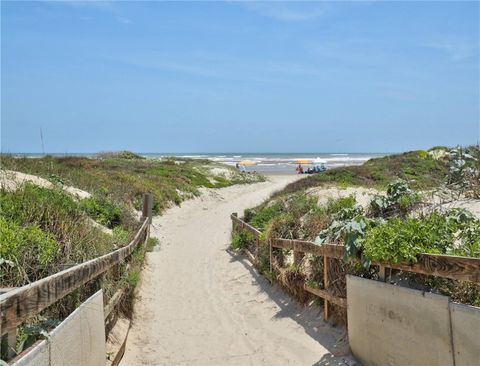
263 163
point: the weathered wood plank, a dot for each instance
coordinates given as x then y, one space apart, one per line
329 250
297 257
340 301
31 299
249 255
239 222
326 283
381 273
147 208
9 340
453 267
117 296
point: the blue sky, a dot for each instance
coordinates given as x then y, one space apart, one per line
238 76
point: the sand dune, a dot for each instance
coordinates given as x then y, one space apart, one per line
200 304
11 180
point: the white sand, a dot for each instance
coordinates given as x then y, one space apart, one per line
11 180
201 305
362 195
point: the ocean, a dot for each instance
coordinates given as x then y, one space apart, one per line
281 162
269 163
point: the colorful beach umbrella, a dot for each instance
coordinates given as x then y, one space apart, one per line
304 161
247 162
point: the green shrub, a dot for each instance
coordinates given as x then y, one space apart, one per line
43 229
25 251
336 205
399 201
124 154
151 244
32 204
313 223
242 239
248 214
102 210
300 204
121 237
285 225
265 214
133 277
400 240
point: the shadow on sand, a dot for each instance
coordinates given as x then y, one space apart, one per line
334 339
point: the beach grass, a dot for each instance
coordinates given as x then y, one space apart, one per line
419 168
124 178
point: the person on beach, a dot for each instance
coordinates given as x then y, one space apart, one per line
299 169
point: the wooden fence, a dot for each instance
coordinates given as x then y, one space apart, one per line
453 267
23 303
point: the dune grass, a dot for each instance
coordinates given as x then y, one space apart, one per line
124 180
44 230
418 168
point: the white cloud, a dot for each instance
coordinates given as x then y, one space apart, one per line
107 6
288 11
456 49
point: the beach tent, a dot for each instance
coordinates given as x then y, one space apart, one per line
319 161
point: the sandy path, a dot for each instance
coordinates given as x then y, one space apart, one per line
201 305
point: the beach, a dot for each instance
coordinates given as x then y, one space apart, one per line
200 304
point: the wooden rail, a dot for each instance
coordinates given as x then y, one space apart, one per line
22 303
242 224
447 266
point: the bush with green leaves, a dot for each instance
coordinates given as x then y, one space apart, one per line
265 214
343 211
32 204
102 210
151 244
242 239
341 204
399 201
399 240
25 251
29 333
464 170
41 230
121 237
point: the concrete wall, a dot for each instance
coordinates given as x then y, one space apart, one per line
395 326
466 334
78 341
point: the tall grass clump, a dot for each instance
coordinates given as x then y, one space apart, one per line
42 231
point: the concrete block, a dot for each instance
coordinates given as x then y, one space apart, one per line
395 326
466 334
78 341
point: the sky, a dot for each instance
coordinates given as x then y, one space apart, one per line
238 76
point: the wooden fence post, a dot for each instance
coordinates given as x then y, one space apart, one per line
326 283
381 273
234 223
147 208
297 257
270 254
8 344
